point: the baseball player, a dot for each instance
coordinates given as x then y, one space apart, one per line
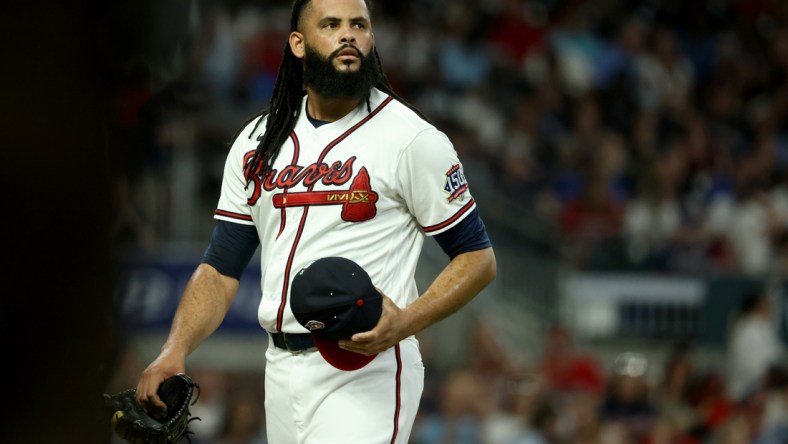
338 166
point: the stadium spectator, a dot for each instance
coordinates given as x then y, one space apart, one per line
244 419
628 400
671 394
753 346
458 418
566 369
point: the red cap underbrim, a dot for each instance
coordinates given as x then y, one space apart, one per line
340 358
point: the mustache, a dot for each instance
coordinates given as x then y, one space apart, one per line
334 54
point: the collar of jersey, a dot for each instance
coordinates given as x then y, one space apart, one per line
358 113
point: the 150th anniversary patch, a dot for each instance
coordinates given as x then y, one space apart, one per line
455 183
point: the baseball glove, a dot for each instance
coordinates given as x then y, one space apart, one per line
131 422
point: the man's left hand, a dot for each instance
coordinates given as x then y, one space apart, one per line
386 334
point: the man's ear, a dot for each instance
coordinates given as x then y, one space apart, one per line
297 44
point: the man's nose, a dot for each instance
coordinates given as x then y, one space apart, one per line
347 36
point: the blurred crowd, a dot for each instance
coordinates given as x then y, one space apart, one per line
573 396
623 135
569 395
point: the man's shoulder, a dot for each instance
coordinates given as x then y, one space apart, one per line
399 115
249 126
246 137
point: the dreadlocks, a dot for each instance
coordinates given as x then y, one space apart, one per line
285 105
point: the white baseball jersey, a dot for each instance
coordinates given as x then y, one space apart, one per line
367 187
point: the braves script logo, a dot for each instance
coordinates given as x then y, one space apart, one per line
455 183
358 202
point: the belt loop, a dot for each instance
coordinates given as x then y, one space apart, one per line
286 341
271 340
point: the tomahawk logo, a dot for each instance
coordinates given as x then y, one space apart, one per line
358 202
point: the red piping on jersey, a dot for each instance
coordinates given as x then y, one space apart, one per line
280 313
232 215
449 221
282 221
286 283
296 149
398 394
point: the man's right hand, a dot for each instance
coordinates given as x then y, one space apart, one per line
163 367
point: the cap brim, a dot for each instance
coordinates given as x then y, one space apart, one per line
340 358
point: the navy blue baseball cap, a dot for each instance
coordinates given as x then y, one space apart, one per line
334 298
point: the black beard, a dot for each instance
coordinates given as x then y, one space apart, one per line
321 75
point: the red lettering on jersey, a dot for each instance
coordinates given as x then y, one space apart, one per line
338 173
255 177
287 176
311 175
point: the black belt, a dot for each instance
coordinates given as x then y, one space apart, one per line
294 342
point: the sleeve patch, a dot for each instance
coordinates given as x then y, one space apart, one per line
455 186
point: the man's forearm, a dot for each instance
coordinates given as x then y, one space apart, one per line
462 279
202 308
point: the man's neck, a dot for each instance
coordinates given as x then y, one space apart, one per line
329 110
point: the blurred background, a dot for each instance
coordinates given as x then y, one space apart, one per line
630 161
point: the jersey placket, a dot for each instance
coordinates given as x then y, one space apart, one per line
300 231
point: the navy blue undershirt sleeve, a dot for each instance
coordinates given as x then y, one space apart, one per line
468 235
231 248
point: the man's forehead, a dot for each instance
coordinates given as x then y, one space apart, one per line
318 9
